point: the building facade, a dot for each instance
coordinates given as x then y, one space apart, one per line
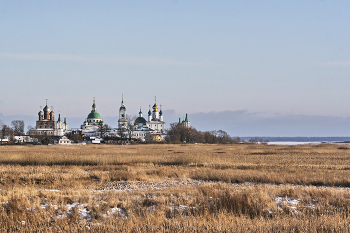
62 126
186 122
93 122
46 124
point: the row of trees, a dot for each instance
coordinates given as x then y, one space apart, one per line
16 129
180 133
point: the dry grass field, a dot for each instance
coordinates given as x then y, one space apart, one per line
175 188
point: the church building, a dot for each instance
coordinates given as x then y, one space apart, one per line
46 124
141 126
155 118
91 124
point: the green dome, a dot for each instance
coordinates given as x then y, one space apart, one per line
122 108
140 120
94 115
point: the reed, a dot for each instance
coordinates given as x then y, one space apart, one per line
172 188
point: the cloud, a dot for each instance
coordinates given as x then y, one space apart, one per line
244 123
105 59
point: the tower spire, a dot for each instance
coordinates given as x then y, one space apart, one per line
122 98
93 105
46 102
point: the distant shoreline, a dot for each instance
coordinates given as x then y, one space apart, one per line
302 139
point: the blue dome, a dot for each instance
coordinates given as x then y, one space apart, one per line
160 113
149 113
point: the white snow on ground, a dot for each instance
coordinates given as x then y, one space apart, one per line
290 203
127 186
49 190
64 211
82 210
142 185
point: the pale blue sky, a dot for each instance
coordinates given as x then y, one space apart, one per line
268 58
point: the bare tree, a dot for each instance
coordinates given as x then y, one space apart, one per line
102 128
130 127
18 127
1 134
30 130
7 132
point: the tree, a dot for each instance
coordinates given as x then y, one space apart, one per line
223 137
180 133
30 130
77 138
1 134
6 131
18 127
102 128
130 127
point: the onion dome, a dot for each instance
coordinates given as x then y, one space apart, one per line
155 107
140 120
46 109
59 117
41 113
140 112
149 112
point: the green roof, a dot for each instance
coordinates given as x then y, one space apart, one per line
122 107
186 119
94 115
140 120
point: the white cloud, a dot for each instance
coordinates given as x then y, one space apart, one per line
105 59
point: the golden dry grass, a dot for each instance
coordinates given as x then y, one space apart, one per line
175 188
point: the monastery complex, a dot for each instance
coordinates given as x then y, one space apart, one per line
94 126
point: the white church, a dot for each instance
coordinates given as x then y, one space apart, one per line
139 129
92 123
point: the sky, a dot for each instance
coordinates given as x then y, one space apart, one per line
252 68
